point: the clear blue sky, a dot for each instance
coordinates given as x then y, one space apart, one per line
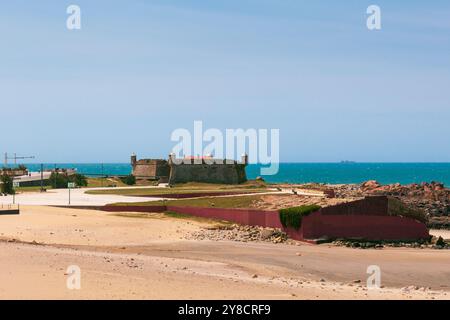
139 69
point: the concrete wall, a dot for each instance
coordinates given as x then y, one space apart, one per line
373 227
241 216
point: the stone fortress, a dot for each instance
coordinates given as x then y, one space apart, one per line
190 169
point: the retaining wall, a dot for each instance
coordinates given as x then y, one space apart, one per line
367 219
9 212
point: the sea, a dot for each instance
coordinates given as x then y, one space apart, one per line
333 173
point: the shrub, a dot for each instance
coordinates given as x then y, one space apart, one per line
60 180
440 242
292 217
79 179
129 180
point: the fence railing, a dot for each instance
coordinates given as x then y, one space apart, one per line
7 207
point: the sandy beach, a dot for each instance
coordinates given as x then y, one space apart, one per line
135 257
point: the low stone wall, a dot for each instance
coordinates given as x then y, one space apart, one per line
146 209
242 216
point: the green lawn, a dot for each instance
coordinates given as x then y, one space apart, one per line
185 188
209 202
31 189
104 182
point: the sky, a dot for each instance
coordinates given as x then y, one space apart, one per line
139 69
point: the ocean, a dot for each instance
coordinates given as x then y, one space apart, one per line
335 173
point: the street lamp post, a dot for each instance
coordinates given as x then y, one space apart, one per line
42 177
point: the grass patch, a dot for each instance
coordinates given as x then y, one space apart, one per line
292 217
104 182
31 189
175 215
188 188
207 202
215 222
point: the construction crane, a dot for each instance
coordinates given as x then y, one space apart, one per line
15 158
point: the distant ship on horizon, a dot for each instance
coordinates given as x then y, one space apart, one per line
347 162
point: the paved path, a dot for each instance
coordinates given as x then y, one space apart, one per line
78 197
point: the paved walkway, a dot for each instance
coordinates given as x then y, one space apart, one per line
78 197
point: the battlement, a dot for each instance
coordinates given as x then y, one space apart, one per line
191 169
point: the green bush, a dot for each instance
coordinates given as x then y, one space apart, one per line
292 217
129 180
7 184
60 180
79 179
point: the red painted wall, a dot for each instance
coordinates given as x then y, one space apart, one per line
368 225
365 218
372 227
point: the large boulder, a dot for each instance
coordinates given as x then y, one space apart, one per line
370 185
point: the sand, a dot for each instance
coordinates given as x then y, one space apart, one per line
124 257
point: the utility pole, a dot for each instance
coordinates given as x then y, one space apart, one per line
16 185
55 177
42 177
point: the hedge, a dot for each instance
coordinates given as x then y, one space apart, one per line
292 217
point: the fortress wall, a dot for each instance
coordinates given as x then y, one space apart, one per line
151 169
208 173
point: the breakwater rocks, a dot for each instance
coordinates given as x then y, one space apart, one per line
241 233
433 198
434 243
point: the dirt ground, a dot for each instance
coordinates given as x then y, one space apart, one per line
125 257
